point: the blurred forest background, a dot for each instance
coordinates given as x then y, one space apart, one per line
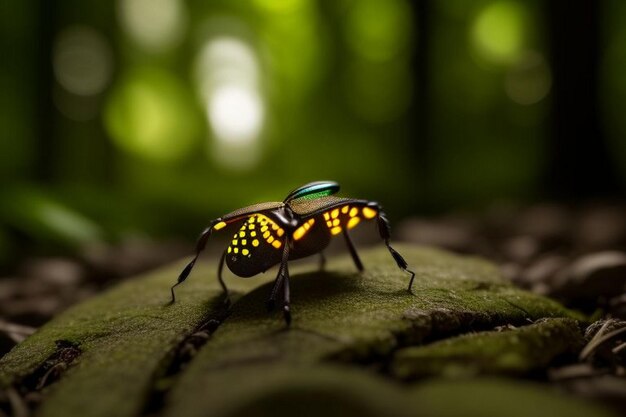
147 118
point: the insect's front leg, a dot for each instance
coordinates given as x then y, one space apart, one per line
384 228
271 302
287 298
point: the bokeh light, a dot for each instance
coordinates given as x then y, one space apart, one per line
82 60
499 32
155 25
378 30
378 77
236 114
151 114
227 74
529 80
281 6
423 105
292 45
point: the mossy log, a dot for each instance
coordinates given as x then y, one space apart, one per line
337 358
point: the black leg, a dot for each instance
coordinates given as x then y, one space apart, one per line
355 256
200 245
286 297
271 302
220 267
282 280
322 261
385 232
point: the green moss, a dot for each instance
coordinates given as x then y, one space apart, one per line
515 351
341 315
274 390
127 335
496 397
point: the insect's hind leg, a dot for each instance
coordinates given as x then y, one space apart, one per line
200 245
384 228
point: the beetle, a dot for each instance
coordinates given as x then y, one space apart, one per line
268 234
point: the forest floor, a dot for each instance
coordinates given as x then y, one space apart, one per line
468 319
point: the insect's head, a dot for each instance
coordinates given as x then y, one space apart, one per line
286 217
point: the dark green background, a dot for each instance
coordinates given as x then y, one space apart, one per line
425 106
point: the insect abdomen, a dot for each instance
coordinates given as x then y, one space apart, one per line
256 247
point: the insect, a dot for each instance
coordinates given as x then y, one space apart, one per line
268 234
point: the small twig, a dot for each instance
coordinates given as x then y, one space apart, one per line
596 342
17 332
599 333
619 348
17 403
55 370
576 371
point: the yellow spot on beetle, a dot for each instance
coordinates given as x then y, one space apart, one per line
266 234
369 212
230 249
219 226
276 244
311 221
300 231
270 239
263 229
344 209
334 213
242 234
236 250
245 252
354 211
253 234
251 227
335 230
280 232
244 242
255 242
336 222
234 242
326 216
329 223
353 222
